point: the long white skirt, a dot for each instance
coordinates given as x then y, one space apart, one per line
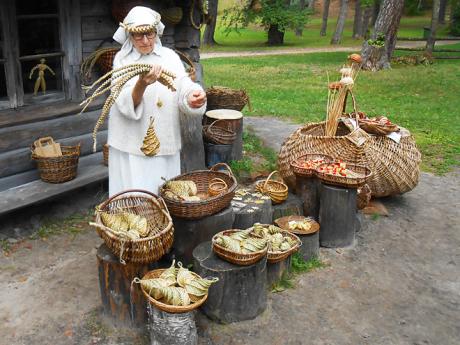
128 171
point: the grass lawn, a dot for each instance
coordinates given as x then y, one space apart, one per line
423 99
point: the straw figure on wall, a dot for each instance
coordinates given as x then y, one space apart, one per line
40 82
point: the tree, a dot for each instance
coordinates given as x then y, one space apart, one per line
208 36
299 30
337 37
358 20
377 51
276 16
455 18
434 24
442 11
325 17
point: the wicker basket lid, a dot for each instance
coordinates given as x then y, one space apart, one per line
224 114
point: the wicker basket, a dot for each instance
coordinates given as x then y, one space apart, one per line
220 97
190 66
363 174
363 196
283 223
373 127
394 166
274 257
236 258
298 170
172 15
203 208
105 60
146 204
217 186
276 190
105 154
58 169
218 135
167 307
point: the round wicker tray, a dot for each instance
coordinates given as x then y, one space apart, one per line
304 172
167 307
345 181
283 223
236 258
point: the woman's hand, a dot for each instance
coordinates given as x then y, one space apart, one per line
196 99
152 76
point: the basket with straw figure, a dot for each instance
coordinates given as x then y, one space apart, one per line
276 190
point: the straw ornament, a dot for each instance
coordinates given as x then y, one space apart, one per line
151 144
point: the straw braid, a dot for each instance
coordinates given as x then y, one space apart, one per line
114 81
139 29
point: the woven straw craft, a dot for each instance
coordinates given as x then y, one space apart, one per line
221 97
146 204
394 166
217 186
58 169
276 190
219 135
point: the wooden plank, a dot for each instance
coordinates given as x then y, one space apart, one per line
36 191
22 136
95 8
97 27
18 161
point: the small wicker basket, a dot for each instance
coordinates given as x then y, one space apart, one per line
58 169
218 135
221 97
236 258
144 203
373 127
274 257
276 190
217 186
175 309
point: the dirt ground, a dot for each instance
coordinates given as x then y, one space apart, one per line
399 284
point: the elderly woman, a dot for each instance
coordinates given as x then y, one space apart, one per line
144 97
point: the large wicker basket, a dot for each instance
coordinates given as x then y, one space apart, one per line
236 258
221 97
144 203
59 169
276 190
394 166
175 309
209 206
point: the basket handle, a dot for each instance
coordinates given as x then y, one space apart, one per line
164 204
45 140
268 178
217 180
209 127
355 108
128 191
229 170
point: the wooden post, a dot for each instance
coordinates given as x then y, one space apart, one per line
307 189
292 206
123 303
310 246
337 216
276 270
171 329
250 209
241 292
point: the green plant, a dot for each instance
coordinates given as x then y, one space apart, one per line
379 41
286 282
73 224
299 265
375 216
240 166
5 245
455 18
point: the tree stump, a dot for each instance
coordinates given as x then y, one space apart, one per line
188 233
251 207
276 270
217 154
307 189
124 304
310 246
337 216
171 329
241 292
292 206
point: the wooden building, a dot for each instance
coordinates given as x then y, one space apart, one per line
63 33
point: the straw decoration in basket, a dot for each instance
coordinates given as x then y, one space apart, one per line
276 190
114 81
58 169
150 211
221 97
218 135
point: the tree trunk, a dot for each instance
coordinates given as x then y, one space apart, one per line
387 23
299 30
367 13
311 5
358 20
442 11
208 36
434 23
340 22
275 37
325 16
375 11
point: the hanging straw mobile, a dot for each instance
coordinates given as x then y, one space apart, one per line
114 81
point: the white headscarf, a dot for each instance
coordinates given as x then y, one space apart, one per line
138 15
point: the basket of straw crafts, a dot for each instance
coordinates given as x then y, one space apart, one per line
357 175
58 169
160 304
395 166
209 204
306 165
220 97
218 135
236 258
276 190
159 226
105 154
